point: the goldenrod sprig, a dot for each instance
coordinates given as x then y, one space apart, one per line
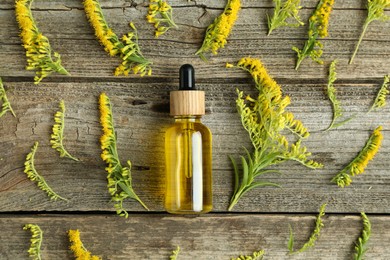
160 12
283 11
33 175
57 137
380 99
318 28
331 92
118 177
218 32
361 244
257 255
360 162
127 47
375 12
313 237
175 254
77 247
38 49
6 106
264 118
36 241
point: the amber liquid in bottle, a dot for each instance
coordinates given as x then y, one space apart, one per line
188 166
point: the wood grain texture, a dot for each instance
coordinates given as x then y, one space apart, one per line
141 117
81 53
208 237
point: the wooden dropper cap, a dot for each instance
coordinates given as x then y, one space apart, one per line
187 101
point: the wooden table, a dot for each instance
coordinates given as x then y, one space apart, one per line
140 107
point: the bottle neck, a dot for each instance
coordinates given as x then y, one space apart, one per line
187 118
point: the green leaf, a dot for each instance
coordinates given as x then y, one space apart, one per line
57 136
236 175
33 175
290 243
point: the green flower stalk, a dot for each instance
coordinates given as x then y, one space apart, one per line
360 162
218 32
380 99
264 118
118 177
376 12
331 93
57 136
126 48
283 11
361 244
318 28
257 255
6 105
160 12
175 254
33 175
38 49
36 241
313 237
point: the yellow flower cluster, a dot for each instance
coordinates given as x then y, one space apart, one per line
360 162
105 34
283 11
163 10
127 47
118 177
318 28
37 46
320 18
264 118
77 247
219 30
371 149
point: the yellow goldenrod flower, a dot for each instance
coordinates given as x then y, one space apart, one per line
282 12
218 32
318 28
77 247
360 162
126 48
376 12
264 118
118 177
37 46
160 12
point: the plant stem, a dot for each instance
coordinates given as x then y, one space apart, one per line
365 26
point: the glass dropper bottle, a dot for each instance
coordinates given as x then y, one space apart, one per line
188 150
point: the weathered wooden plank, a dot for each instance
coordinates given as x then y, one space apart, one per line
208 237
84 57
141 119
205 4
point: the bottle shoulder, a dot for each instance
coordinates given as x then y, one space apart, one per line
185 126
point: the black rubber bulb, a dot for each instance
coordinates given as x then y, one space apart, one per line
187 77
